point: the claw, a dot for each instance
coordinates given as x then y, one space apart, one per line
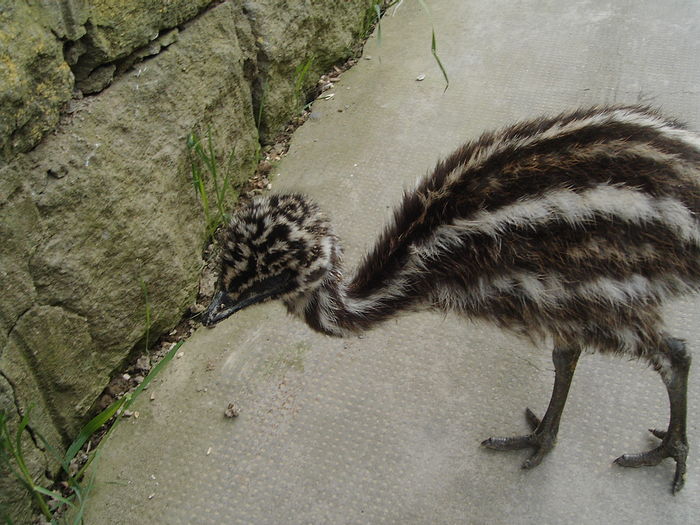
678 451
508 443
536 458
678 480
643 459
532 419
661 434
541 442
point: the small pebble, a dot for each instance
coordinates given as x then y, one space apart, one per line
231 410
420 77
143 363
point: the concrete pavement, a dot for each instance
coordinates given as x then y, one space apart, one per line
386 428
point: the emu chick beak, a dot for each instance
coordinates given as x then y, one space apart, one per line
218 310
222 307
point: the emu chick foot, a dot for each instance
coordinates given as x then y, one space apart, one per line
669 448
541 440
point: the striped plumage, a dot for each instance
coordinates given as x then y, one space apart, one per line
575 228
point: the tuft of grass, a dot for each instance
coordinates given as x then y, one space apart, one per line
204 165
54 506
301 73
372 17
12 457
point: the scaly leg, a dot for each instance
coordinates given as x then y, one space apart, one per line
674 442
544 432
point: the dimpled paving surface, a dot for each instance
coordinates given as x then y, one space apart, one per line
386 428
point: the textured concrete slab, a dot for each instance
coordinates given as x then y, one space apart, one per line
386 428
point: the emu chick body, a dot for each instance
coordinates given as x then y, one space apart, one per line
575 228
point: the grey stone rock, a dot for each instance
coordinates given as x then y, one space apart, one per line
97 80
34 80
125 210
114 32
66 19
151 49
65 362
290 34
20 230
105 203
15 501
73 51
14 497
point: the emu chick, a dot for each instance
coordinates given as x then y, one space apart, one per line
575 228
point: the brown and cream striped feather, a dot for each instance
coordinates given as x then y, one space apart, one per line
576 227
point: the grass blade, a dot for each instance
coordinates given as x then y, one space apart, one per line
433 49
58 456
91 427
148 310
125 402
259 116
300 74
433 46
203 161
378 12
152 374
82 499
54 495
209 159
13 451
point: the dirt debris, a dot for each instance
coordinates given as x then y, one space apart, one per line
232 410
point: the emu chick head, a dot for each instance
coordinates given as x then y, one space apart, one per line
275 247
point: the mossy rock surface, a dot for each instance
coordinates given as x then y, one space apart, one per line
96 195
35 81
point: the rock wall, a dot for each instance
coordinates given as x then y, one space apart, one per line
97 98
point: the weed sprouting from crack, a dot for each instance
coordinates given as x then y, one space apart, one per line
204 166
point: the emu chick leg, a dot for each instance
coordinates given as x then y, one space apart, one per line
544 432
674 442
